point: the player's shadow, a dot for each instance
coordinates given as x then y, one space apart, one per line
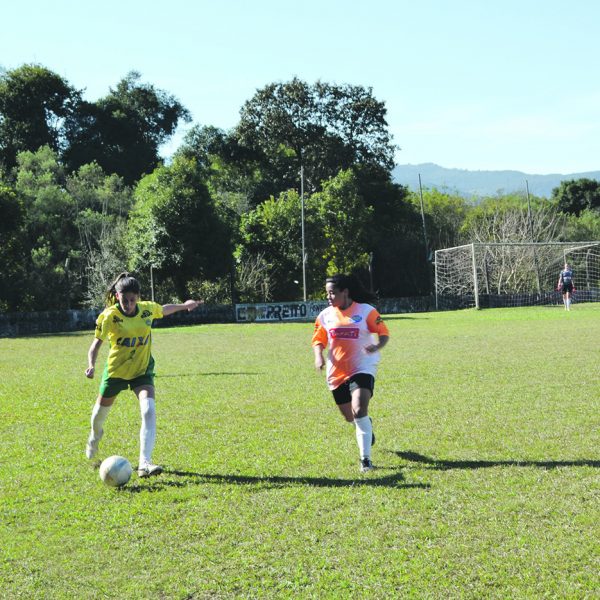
447 465
176 478
403 317
207 373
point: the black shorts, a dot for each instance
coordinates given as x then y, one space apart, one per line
343 393
567 287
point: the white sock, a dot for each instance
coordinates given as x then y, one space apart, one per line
148 429
99 414
364 434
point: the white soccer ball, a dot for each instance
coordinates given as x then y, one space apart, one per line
115 471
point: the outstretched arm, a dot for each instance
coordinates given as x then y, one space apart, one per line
189 305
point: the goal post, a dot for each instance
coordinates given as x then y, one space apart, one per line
499 274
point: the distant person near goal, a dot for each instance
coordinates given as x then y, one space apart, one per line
566 285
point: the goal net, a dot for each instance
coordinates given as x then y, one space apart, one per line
483 275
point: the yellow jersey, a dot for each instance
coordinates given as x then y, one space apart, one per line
129 338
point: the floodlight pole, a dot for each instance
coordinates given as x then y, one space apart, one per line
302 222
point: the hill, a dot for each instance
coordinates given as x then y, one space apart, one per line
481 183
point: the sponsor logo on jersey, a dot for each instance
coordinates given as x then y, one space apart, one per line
117 319
356 318
146 314
133 342
344 333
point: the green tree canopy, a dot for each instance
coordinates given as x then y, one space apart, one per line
102 205
35 103
399 266
12 274
344 221
123 131
175 226
577 195
234 175
444 217
50 235
271 237
322 127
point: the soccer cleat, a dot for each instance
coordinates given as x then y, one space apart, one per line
366 465
148 469
91 448
372 433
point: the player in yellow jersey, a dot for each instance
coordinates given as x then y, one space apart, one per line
355 332
126 323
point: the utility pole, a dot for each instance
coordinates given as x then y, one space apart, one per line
302 220
151 284
535 262
423 220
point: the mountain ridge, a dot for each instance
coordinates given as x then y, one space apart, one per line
481 183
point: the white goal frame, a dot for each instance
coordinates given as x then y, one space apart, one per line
500 274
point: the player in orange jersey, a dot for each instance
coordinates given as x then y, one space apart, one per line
355 332
126 323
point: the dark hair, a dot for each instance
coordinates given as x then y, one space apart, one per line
122 284
355 288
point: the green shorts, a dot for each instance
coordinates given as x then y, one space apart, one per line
111 386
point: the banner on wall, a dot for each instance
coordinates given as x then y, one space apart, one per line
270 312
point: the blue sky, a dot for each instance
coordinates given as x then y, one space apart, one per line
467 84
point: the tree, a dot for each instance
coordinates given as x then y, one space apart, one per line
124 131
323 127
506 219
396 246
35 104
576 195
103 203
344 222
12 274
175 226
352 224
269 255
50 235
49 211
444 215
584 227
233 173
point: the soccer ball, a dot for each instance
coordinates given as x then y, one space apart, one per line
115 471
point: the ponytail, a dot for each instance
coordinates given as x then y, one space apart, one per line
355 288
123 283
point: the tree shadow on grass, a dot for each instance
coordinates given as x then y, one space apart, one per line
176 478
446 465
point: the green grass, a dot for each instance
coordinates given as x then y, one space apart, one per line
488 452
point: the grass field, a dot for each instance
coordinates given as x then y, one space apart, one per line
488 456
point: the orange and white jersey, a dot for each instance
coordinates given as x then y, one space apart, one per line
348 332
